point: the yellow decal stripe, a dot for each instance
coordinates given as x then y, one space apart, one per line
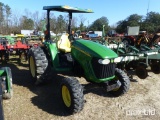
81 51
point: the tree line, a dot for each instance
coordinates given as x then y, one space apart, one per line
149 23
14 22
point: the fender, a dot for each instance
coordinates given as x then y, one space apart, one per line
53 53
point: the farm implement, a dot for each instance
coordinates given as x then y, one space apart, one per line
146 54
145 43
6 91
79 56
13 45
133 58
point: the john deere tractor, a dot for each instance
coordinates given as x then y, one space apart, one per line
6 82
83 58
6 90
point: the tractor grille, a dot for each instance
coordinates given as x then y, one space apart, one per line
103 71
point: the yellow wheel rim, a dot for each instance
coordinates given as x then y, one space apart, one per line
32 67
66 96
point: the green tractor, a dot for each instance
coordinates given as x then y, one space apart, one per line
6 82
6 91
83 58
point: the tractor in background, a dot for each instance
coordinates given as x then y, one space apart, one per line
83 58
6 90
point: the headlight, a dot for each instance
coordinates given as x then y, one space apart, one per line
105 61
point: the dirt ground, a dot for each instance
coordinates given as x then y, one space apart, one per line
31 102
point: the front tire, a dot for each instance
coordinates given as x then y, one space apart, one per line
72 95
125 83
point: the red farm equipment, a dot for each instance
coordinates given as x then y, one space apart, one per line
13 45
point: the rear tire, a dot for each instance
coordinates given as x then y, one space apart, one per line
125 83
38 64
72 95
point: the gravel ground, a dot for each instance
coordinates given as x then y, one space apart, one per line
32 102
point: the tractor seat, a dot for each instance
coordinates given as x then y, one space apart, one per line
64 44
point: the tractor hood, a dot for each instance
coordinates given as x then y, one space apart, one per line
93 49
